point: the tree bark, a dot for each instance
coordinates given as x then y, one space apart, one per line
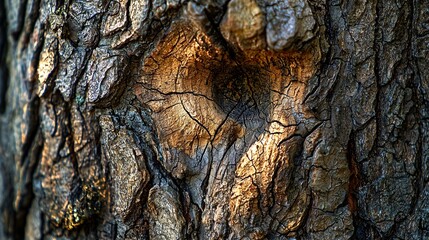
239 119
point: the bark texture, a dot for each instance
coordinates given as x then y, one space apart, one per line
239 119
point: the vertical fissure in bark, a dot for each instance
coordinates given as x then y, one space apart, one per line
156 168
418 182
137 212
25 194
184 207
364 228
69 141
205 183
354 183
20 19
354 179
33 126
31 22
376 48
330 38
30 151
7 205
35 60
3 50
128 22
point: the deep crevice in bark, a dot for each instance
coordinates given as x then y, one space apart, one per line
25 195
3 53
31 22
20 19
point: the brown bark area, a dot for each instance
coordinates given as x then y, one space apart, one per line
239 119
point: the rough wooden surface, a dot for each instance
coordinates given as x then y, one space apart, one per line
240 119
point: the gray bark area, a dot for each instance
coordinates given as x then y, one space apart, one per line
240 119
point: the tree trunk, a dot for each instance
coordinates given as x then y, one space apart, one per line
238 119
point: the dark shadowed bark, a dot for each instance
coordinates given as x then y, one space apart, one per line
238 119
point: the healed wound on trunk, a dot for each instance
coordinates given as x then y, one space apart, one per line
232 126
